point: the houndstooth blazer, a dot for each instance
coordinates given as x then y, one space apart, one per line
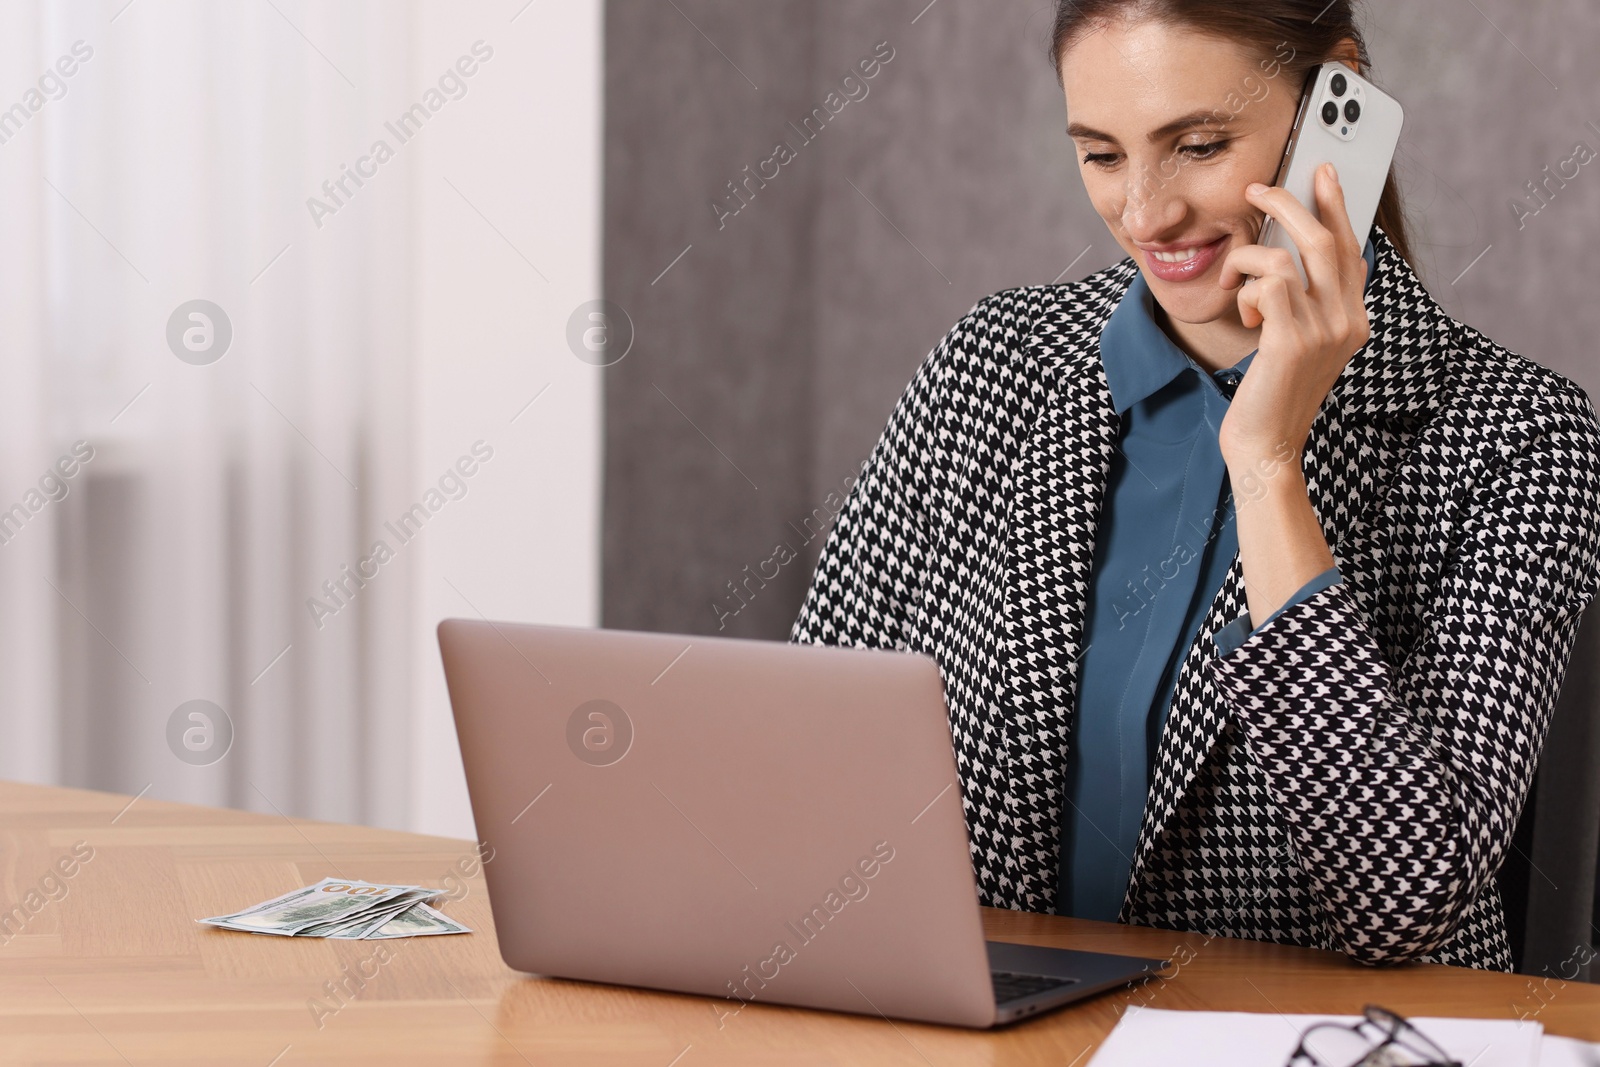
1350 776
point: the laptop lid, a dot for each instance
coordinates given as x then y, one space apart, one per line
750 820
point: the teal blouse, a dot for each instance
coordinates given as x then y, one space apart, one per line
1166 540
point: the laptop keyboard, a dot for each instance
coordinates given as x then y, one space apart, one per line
1009 985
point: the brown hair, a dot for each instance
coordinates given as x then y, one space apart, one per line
1311 28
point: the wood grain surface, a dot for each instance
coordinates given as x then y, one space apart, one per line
106 965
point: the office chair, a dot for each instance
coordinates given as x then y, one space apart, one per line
1548 880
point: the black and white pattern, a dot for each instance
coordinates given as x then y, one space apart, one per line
1350 776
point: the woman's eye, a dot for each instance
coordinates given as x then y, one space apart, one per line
1192 151
1203 151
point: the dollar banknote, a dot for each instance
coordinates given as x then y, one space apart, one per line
419 920
328 900
357 925
342 908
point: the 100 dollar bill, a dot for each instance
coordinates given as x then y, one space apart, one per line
418 920
325 904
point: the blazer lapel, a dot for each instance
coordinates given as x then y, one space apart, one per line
1061 474
1349 458
1193 726
1058 493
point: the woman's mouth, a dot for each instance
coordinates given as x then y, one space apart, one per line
1184 265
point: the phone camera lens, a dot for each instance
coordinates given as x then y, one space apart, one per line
1338 84
1330 112
1352 111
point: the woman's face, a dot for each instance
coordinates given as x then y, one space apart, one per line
1170 126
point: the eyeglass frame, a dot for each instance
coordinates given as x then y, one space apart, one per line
1391 1025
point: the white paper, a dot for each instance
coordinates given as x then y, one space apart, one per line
1145 1036
1566 1052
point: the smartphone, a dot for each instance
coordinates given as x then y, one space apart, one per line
1349 122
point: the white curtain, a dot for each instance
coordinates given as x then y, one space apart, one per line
174 164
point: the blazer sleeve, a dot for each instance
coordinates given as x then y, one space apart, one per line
1233 634
871 570
1401 788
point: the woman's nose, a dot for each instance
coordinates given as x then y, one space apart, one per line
1151 204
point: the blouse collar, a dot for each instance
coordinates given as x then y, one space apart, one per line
1140 358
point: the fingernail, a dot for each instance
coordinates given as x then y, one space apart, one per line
1256 189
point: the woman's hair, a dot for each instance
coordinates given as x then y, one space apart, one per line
1312 29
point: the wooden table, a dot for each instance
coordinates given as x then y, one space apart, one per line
110 967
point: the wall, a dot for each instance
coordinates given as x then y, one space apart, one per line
510 246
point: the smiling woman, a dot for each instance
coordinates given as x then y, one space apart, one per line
1168 178
1309 715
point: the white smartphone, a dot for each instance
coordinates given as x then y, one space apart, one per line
1346 120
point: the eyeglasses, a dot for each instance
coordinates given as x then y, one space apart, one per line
1381 1039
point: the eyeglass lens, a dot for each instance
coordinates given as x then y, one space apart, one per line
1342 1046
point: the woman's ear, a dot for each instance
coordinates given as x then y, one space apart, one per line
1347 53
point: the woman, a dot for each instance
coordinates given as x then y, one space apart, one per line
1307 715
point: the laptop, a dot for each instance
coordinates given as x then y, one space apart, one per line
752 821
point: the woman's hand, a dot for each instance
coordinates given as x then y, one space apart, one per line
1308 334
